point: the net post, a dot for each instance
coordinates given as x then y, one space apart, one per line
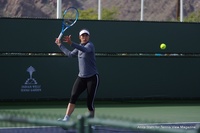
88 129
198 129
80 124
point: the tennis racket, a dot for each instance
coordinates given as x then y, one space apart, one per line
70 16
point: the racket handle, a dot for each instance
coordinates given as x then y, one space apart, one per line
59 37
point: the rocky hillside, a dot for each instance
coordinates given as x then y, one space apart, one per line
154 10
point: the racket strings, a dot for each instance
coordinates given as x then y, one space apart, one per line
68 21
70 16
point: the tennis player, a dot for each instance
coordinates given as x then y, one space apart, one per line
88 78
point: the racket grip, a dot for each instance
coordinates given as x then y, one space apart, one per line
59 37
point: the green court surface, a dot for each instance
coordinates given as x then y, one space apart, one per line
171 112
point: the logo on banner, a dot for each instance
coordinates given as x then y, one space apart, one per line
31 85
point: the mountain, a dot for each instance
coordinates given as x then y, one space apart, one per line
154 10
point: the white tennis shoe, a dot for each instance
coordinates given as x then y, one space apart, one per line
65 119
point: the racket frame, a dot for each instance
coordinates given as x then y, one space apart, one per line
65 26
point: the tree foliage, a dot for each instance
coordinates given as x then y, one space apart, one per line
193 17
92 14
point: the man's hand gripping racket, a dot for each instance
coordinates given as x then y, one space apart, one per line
70 16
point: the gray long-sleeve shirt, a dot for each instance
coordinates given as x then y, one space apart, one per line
86 58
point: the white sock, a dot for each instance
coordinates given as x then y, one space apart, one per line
66 117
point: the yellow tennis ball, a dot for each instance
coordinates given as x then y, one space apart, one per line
163 46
